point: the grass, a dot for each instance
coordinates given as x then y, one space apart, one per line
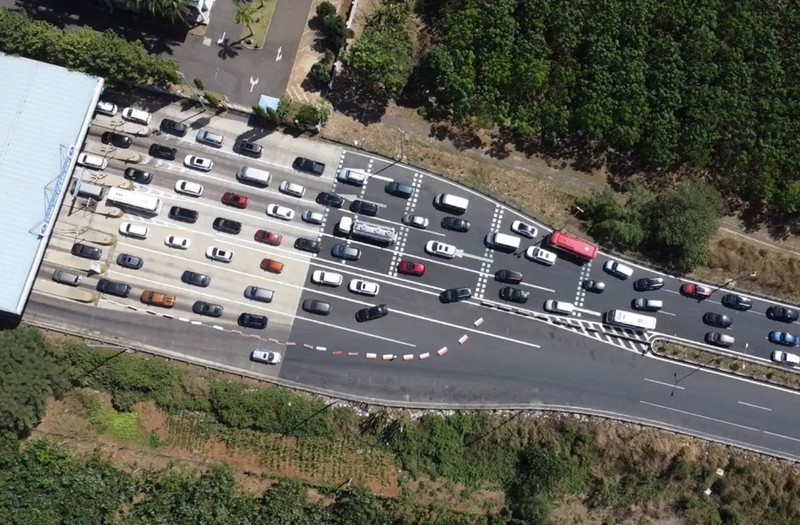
262 16
121 426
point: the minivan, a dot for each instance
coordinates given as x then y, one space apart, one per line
261 295
651 305
451 203
253 176
617 269
92 191
559 307
209 138
502 241
404 191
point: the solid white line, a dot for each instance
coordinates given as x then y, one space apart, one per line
754 406
701 416
666 313
671 385
781 436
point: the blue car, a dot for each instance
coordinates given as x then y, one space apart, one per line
782 338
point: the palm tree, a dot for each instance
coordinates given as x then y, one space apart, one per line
246 16
171 9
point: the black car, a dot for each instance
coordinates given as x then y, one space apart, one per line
86 251
113 288
330 199
590 285
129 261
251 149
177 213
452 295
309 166
455 224
508 276
370 209
227 226
163 152
372 313
209 309
307 245
140 176
259 322
116 139
398 189
737 302
718 320
315 306
348 253
782 313
174 128
197 279
514 295
648 284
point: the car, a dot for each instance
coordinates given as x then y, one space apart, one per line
309 166
189 188
650 305
137 175
268 237
782 313
524 229
157 299
417 221
91 161
370 209
347 253
312 217
227 226
258 322
411 268
174 128
514 295
783 338
455 224
307 245
292 188
234 200
129 261
440 249
718 320
271 265
161 151
696 291
177 213
648 284
508 276
173 241
718 339
87 252
68 278
540 255
372 313
315 306
593 285
454 295
785 358
106 108
198 163
329 199
136 115
195 279
265 356
559 307
398 189
113 288
208 309
251 149
138 231
737 302
352 176
280 212
362 287
118 140
618 270
218 254
326 278
209 138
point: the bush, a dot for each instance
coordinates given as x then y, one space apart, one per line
325 9
320 75
336 31
199 83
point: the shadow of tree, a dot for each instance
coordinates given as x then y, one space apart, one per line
349 100
229 49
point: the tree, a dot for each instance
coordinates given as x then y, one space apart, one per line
357 506
381 62
244 15
336 31
610 222
172 10
325 9
324 110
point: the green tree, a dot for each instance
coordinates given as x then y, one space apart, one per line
381 62
324 110
357 506
324 9
173 10
610 222
244 15
336 31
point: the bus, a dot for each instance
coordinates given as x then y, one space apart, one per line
383 235
630 320
573 245
133 200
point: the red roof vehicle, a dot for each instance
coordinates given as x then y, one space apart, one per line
235 200
697 291
268 237
411 268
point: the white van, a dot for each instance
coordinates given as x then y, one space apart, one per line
559 307
92 191
136 115
502 241
451 203
253 176
617 269
345 225
651 305
134 230
91 161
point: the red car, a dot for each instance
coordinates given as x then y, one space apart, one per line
411 268
696 291
235 200
269 238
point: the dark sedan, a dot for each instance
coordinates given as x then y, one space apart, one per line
508 276
737 302
718 320
227 226
194 278
455 224
174 128
309 166
129 261
140 176
648 284
372 313
113 288
591 285
86 251
315 306
251 149
209 309
259 322
176 213
453 295
116 139
163 152
514 295
330 199
307 245
782 313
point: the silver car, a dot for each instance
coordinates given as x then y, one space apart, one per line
417 221
64 277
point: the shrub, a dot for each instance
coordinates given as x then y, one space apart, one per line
199 83
325 9
320 75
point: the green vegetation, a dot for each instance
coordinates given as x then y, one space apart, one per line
172 10
103 54
334 27
256 17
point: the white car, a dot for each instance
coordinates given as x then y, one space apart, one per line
198 163
326 278
106 108
312 217
417 221
351 176
91 161
448 251
280 212
134 230
559 307
362 287
265 356
137 115
524 229
189 188
540 255
291 188
218 254
786 358
173 241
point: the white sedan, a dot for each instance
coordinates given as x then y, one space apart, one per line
265 356
524 229
189 188
447 251
363 287
417 221
280 212
173 241
218 254
198 163
326 278
540 255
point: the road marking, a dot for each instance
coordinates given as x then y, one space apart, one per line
781 436
754 406
701 416
588 312
253 82
671 385
462 253
279 55
666 313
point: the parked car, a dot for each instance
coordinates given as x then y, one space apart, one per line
157 299
782 313
235 200
648 284
129 261
174 128
524 229
455 224
453 295
718 320
208 309
315 306
280 212
139 116
113 288
363 287
92 161
783 338
411 268
227 226
372 313
440 249
594 286
417 221
307 245
514 295
718 339
309 166
174 241
352 176
785 358
87 252
161 151
195 279
65 277
118 140
268 237
251 149
189 188
266 356
218 254
209 138
198 163
348 253
737 302
508 276
329 199
696 291
106 108
258 322
177 213
137 175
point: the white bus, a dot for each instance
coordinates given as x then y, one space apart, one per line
134 200
630 320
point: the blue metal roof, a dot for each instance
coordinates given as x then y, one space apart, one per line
45 112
